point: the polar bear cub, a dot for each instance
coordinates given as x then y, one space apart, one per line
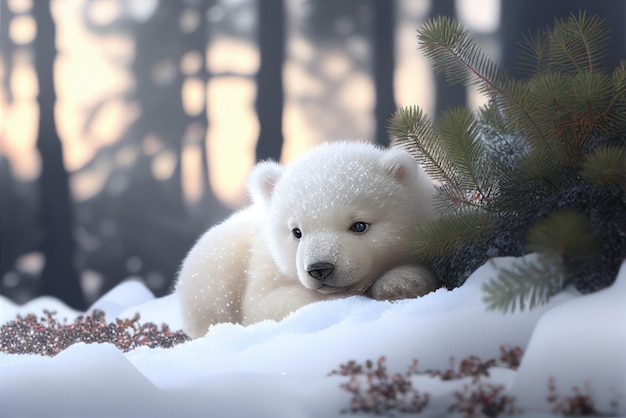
338 221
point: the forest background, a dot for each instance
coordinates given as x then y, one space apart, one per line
128 126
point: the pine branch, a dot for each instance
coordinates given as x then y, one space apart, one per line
411 130
444 236
547 107
526 182
454 154
504 147
493 123
533 54
448 199
452 200
454 52
616 110
541 168
577 44
525 284
605 166
568 109
462 141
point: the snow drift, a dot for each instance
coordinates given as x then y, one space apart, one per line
280 369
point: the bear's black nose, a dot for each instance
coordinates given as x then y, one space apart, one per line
320 271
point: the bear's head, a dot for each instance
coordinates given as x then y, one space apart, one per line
342 214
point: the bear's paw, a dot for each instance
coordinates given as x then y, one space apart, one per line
404 282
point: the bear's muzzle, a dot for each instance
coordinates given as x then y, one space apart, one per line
320 271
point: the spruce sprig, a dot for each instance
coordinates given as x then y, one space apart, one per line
533 53
578 43
605 166
452 51
461 139
442 237
525 284
415 134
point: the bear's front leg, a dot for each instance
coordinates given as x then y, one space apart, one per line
404 282
276 304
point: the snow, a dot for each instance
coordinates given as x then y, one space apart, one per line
581 341
280 369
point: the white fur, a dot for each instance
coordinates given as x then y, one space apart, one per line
251 267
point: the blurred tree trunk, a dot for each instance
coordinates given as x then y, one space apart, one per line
141 219
151 206
7 257
269 79
446 95
383 65
7 47
197 42
59 277
520 17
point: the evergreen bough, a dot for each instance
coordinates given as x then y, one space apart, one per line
541 168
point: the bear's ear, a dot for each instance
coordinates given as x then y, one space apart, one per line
262 180
400 165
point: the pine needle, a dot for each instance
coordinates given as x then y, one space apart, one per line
462 141
605 166
578 44
445 235
526 284
453 51
616 110
411 130
533 54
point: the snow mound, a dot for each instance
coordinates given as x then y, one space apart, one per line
280 369
579 343
8 309
124 296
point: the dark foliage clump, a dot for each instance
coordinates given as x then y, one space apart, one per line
483 399
480 398
374 390
471 366
540 169
47 336
510 357
579 404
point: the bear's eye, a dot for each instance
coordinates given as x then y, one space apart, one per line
296 233
359 227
